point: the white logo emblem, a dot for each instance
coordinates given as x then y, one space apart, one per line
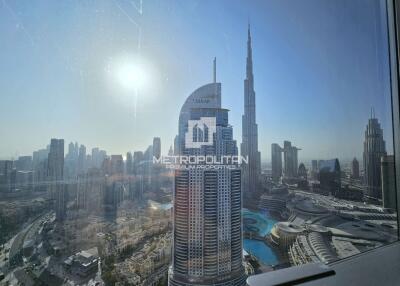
200 132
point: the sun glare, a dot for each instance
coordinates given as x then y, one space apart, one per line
131 74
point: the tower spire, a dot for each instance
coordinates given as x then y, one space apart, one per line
249 63
372 112
249 147
215 70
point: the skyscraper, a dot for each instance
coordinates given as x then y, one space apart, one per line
249 146
129 164
137 160
329 176
91 190
388 182
302 172
374 149
55 174
6 169
72 151
276 161
39 162
117 164
71 162
170 151
355 169
95 157
314 169
207 245
157 147
82 159
290 155
207 96
24 163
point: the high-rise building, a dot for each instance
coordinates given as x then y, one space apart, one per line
207 244
170 151
355 169
71 162
249 147
388 182
24 163
290 155
76 150
176 145
276 161
96 162
88 162
117 164
137 159
82 159
329 176
72 151
148 153
374 149
91 190
55 174
39 156
6 170
97 157
157 147
302 172
147 164
129 164
39 162
106 166
314 169
24 180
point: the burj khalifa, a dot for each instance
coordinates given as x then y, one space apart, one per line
252 169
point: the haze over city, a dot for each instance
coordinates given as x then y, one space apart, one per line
315 88
197 142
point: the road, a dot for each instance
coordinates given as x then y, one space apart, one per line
16 244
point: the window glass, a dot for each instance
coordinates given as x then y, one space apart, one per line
192 142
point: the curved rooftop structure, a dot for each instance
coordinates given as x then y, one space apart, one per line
318 228
289 227
309 207
320 247
206 96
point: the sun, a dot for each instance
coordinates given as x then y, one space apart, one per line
131 74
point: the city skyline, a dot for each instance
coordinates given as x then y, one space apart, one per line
82 84
137 160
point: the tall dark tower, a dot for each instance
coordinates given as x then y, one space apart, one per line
55 174
374 149
276 161
249 147
355 169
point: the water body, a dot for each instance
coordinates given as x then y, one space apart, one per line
257 221
261 223
261 251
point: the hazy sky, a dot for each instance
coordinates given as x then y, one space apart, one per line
319 66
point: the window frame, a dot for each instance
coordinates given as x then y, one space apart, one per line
393 21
